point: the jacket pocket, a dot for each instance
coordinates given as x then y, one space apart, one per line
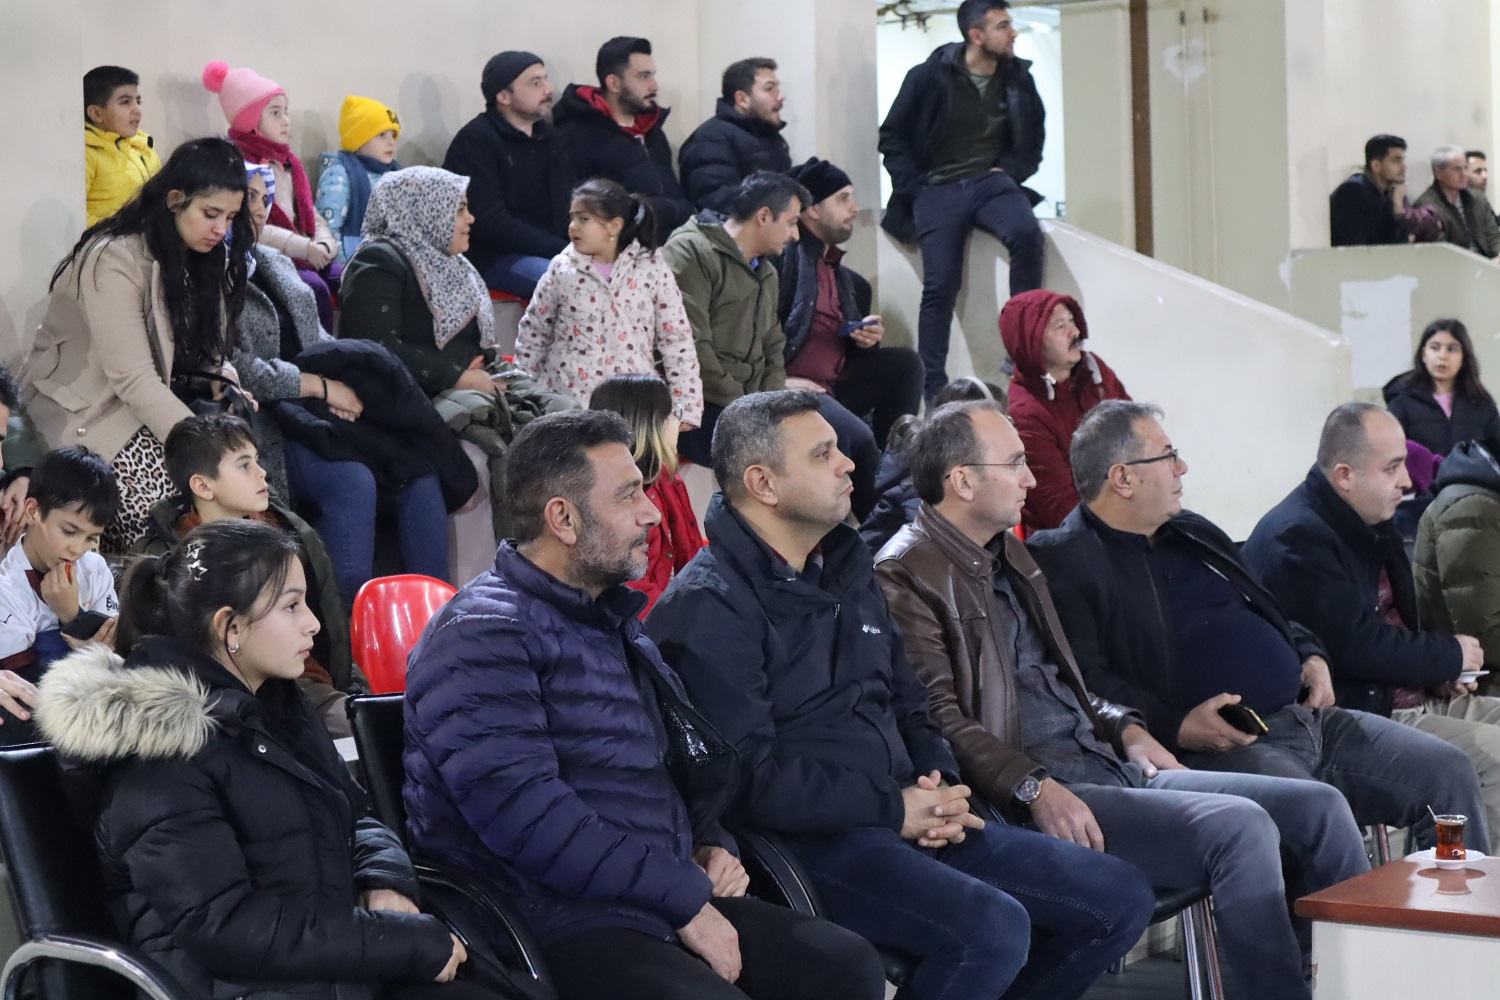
63 395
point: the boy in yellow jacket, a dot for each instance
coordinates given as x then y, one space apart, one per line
118 156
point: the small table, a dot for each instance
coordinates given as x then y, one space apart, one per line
1407 929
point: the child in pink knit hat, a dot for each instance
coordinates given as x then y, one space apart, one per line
260 125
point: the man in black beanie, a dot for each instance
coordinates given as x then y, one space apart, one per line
833 341
520 180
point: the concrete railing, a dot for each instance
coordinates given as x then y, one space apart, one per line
1381 298
1245 387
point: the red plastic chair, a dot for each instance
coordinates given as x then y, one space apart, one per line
390 613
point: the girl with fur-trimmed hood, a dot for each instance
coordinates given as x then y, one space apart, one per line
236 849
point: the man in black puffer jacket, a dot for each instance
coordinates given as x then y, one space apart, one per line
743 136
615 131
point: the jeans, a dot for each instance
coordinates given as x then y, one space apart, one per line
516 274
784 955
944 215
1189 828
1007 911
1471 723
883 384
1389 773
855 439
341 500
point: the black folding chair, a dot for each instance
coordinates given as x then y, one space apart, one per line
377 722
69 940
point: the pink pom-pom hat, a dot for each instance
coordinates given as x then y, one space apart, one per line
243 93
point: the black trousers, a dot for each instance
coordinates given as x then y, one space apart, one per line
785 956
884 384
456 990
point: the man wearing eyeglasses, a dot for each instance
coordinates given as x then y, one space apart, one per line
981 632
1163 616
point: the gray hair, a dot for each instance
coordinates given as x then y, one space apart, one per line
1105 438
1344 440
947 439
1443 154
748 433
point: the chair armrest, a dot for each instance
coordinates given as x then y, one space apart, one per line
775 873
438 881
153 981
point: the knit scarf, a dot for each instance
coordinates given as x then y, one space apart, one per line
262 150
414 210
359 168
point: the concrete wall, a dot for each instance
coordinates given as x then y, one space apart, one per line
1259 107
422 58
1245 386
1381 298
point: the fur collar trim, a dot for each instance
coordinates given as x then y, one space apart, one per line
94 709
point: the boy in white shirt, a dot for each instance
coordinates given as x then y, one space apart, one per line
56 590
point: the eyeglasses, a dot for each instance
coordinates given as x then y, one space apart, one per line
1169 456
1015 466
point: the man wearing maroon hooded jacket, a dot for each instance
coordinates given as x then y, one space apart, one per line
1056 382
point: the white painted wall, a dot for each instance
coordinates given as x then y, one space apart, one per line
1259 108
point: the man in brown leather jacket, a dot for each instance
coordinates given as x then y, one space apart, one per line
982 633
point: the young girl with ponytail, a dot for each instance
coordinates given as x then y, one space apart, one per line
241 855
609 305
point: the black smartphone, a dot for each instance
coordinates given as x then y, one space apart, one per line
1243 718
855 324
85 626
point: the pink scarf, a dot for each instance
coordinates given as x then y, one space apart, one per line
259 149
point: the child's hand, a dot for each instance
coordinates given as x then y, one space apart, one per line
105 636
60 591
17 695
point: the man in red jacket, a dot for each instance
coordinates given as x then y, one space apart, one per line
1056 383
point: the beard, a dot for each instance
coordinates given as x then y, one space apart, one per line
600 561
636 105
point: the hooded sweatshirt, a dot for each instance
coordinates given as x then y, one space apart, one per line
1458 551
1046 413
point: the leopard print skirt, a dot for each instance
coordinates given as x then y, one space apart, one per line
141 467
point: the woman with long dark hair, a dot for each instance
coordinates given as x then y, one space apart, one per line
242 855
609 305
646 403
147 295
1441 401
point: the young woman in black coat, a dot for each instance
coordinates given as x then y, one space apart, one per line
237 851
1441 401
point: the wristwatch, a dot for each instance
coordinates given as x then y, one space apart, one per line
1030 787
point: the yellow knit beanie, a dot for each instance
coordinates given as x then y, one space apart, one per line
362 119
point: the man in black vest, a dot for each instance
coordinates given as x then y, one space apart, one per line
962 136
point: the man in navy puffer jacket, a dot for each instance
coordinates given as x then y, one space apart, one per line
540 755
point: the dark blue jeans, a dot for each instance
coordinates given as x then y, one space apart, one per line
1007 911
341 499
855 439
945 215
516 274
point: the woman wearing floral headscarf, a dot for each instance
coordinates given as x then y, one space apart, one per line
410 288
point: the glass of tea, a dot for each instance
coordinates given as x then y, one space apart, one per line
1450 837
